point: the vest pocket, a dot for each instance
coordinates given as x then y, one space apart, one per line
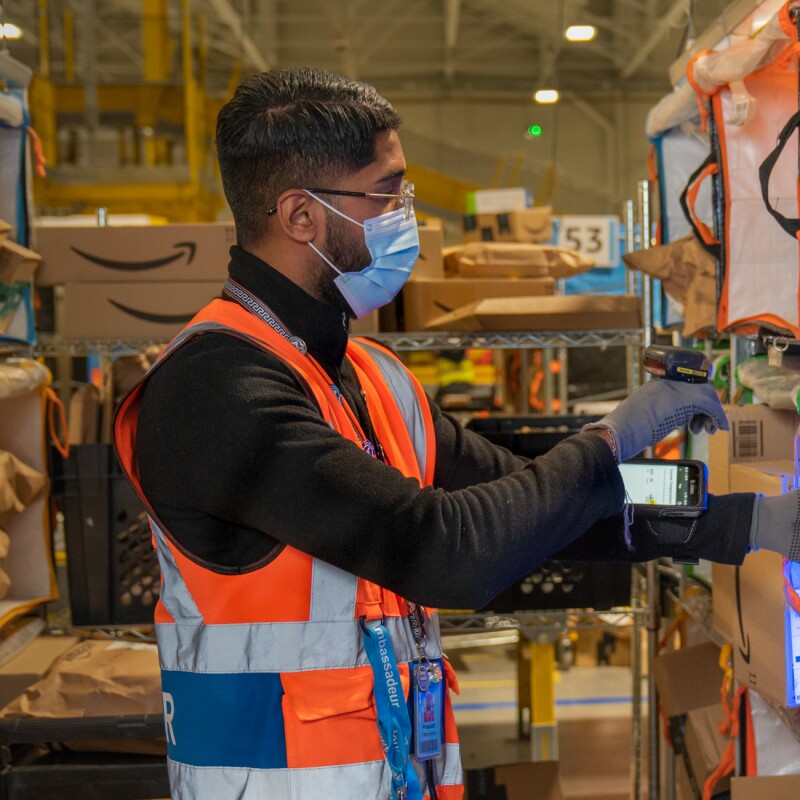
329 716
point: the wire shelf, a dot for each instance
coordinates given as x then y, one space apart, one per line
535 622
442 340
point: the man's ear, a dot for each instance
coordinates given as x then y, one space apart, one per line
299 217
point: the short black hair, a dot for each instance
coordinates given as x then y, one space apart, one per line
293 128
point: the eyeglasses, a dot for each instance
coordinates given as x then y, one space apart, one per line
404 199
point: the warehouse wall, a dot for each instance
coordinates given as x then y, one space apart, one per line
598 147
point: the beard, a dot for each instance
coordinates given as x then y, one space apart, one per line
345 247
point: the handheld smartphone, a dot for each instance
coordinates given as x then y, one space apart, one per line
661 488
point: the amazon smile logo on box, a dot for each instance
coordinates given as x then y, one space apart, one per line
198 252
185 248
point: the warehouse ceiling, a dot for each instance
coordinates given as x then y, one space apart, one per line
421 47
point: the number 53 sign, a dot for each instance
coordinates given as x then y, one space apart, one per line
593 236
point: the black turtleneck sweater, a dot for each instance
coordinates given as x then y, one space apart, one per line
237 463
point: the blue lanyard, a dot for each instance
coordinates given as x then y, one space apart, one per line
394 723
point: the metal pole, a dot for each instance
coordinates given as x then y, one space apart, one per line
563 379
549 380
636 693
632 352
653 615
647 288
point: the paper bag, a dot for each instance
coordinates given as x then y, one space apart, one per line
19 485
97 678
514 260
687 273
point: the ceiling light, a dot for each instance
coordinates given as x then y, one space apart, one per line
546 96
580 33
11 31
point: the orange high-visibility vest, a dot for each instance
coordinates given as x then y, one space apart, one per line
267 688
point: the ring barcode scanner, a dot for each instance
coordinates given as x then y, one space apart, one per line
677 364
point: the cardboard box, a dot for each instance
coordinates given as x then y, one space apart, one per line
198 252
514 260
764 477
25 668
364 326
130 310
757 433
557 313
769 478
17 263
750 608
430 263
766 787
425 299
533 225
705 744
688 678
514 782
493 201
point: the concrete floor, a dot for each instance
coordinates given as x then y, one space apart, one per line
593 712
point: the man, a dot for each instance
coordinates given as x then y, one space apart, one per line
311 507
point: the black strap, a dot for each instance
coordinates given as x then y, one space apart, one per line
791 226
713 249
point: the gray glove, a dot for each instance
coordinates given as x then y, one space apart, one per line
656 409
776 524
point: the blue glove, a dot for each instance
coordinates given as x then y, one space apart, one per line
656 409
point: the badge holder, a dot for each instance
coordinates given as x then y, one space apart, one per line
427 694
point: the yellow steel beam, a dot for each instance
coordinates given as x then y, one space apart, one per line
536 698
44 41
162 103
192 109
157 46
519 157
176 202
43 114
438 189
68 27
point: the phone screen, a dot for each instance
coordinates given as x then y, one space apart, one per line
659 484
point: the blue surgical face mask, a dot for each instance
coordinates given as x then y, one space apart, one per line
393 242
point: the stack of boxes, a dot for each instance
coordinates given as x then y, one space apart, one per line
134 282
437 285
502 277
750 612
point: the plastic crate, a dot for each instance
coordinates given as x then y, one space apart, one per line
31 770
567 584
528 436
112 567
554 584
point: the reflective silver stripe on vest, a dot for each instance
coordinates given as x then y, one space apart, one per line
447 769
367 781
333 593
277 646
405 394
200 327
175 594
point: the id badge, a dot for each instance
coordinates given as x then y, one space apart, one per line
427 693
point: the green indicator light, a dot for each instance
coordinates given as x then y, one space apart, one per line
535 130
